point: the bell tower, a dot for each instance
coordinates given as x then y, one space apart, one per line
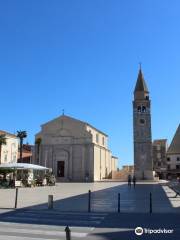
143 166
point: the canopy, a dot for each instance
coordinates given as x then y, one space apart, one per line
22 166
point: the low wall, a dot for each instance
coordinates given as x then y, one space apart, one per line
121 175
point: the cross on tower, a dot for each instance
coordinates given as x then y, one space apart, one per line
140 65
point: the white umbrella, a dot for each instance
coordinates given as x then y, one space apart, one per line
22 166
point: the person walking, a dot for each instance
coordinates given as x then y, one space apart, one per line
134 181
129 180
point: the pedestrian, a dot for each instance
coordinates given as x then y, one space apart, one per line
178 179
134 181
129 180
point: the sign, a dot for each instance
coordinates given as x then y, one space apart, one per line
18 184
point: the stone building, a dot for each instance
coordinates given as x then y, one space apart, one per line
159 149
143 165
9 151
75 150
173 155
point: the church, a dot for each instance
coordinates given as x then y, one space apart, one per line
74 150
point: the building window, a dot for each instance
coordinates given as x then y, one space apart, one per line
168 167
5 158
14 145
159 164
158 147
97 137
103 141
14 158
177 166
168 159
178 158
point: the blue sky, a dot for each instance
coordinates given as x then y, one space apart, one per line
83 56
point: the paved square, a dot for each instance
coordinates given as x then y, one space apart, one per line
33 221
104 197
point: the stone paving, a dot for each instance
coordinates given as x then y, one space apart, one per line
33 221
104 197
47 224
50 224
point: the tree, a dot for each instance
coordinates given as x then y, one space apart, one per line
38 143
2 142
21 135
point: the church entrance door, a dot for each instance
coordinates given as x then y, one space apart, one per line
60 168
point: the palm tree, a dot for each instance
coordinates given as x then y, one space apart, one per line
38 143
2 142
21 135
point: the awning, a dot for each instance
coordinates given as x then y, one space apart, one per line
22 166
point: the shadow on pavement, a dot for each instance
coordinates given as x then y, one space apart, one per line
104 216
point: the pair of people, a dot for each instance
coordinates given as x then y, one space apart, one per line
130 179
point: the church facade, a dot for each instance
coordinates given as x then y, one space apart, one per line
143 163
74 150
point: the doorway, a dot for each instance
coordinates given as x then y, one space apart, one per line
60 168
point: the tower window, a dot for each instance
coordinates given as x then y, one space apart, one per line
178 158
139 108
143 109
168 159
147 97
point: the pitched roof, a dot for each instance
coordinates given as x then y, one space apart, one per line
25 154
174 147
77 120
141 84
86 124
8 134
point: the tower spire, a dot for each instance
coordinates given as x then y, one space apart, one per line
141 85
141 90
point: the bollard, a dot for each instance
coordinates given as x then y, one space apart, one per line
150 202
89 201
50 201
68 233
119 197
16 198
